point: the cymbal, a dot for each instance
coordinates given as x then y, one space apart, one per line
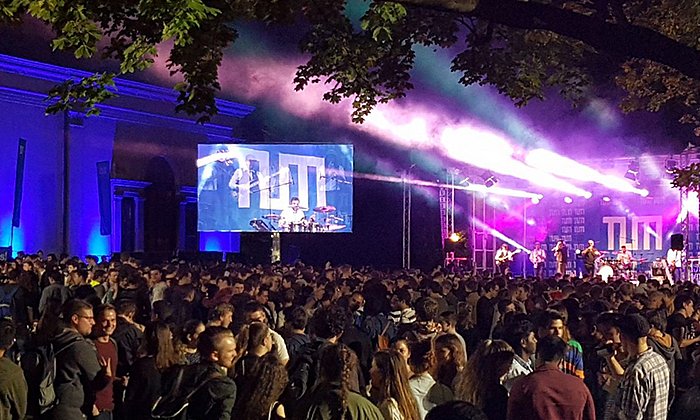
333 228
272 216
324 209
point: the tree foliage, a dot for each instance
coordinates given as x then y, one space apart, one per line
522 48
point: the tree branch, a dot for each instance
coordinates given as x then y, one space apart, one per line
621 39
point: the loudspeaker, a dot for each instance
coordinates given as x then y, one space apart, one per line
677 241
104 195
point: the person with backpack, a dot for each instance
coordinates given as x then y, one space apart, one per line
12 300
79 371
203 391
13 387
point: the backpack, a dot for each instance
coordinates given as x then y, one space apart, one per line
173 405
39 367
6 301
303 370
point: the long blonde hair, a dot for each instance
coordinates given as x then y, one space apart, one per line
394 374
488 364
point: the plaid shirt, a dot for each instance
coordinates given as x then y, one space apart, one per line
644 389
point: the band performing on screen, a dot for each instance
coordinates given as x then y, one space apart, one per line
279 187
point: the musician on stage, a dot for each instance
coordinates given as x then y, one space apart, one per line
674 258
503 259
590 255
245 190
624 258
561 253
292 216
538 257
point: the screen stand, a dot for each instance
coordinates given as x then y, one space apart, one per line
275 249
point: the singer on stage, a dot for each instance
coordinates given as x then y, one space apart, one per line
561 253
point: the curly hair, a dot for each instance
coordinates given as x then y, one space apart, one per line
261 388
490 361
337 363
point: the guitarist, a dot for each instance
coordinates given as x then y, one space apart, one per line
674 258
538 256
503 259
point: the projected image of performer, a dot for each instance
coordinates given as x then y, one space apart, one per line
561 253
590 255
503 259
292 219
215 201
538 257
337 185
245 190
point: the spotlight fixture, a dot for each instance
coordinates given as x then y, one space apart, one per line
466 181
633 172
606 198
489 179
535 200
568 200
455 237
671 165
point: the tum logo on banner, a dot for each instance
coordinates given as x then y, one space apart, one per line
649 225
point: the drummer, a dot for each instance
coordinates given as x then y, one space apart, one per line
624 258
292 216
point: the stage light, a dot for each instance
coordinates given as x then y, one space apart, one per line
465 181
530 222
644 193
633 172
606 199
535 200
670 166
568 200
455 237
490 181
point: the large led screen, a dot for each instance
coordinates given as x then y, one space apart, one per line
303 188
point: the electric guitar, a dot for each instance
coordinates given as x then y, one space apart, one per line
508 257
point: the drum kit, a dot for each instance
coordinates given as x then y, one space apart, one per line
608 268
321 221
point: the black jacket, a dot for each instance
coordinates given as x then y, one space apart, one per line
214 400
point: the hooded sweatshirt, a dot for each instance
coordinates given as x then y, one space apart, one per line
668 348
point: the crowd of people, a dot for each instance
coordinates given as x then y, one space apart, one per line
214 340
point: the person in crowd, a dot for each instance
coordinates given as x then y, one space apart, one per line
552 323
645 386
255 312
335 396
261 389
480 382
664 344
214 392
402 347
548 393
426 390
295 326
188 341
105 323
255 342
520 335
486 311
392 392
79 371
450 360
448 320
13 386
128 336
157 360
221 316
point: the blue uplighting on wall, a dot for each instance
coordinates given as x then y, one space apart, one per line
97 244
220 241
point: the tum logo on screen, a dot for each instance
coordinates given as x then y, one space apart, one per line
649 226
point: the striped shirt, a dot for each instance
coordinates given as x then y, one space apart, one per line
644 389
